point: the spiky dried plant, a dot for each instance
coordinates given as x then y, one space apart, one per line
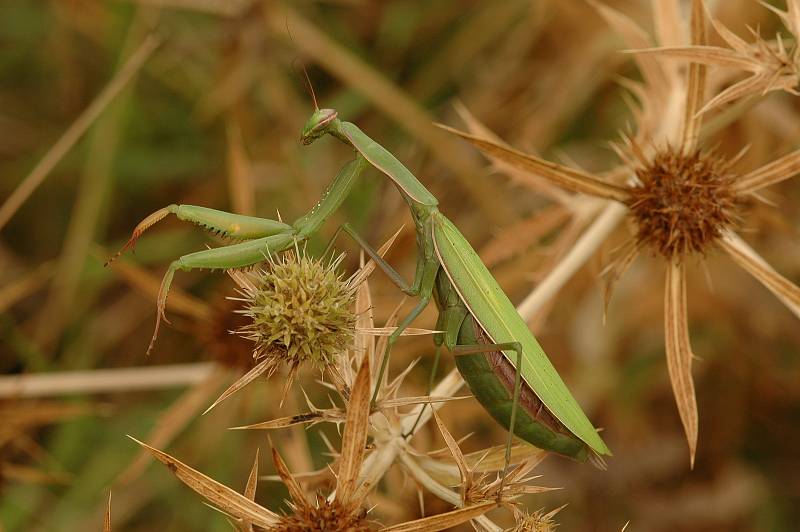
343 510
773 64
300 312
682 200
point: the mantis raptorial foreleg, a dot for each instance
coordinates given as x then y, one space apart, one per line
261 236
234 226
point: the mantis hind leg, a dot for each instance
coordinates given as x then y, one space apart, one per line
461 350
422 287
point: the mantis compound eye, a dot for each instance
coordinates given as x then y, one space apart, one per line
315 127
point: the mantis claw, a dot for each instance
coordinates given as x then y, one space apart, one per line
143 226
161 304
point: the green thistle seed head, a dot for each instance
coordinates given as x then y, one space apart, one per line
301 310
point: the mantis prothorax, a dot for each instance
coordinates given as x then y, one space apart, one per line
498 356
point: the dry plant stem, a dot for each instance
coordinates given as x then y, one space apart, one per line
77 129
105 380
176 418
577 256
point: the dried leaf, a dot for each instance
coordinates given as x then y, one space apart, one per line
354 438
696 88
568 178
707 55
252 479
679 353
221 496
107 518
265 366
752 263
295 491
750 86
387 331
240 172
635 37
443 521
458 456
769 174
668 22
517 237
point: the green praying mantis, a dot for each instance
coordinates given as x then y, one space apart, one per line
499 358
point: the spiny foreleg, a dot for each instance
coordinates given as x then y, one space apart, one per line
236 227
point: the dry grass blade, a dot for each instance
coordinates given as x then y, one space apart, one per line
752 263
77 129
105 380
179 300
221 496
455 451
568 178
696 88
335 415
532 182
747 87
107 518
354 438
635 37
387 331
575 258
519 236
174 420
668 22
240 173
617 269
708 55
295 490
265 366
679 353
250 492
21 288
252 479
769 174
443 521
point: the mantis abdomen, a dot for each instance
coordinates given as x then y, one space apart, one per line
490 376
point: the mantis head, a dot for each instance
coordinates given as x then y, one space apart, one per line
317 125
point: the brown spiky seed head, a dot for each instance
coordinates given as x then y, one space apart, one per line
683 202
538 521
324 517
301 310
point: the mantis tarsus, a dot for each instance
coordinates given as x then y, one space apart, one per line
498 356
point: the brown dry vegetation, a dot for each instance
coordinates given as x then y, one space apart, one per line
109 111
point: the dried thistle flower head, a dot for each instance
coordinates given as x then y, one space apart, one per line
682 199
301 309
538 521
682 202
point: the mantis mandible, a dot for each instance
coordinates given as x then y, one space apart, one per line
498 356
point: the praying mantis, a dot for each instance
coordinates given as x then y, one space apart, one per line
499 358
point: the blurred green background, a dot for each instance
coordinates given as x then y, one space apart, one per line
213 118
